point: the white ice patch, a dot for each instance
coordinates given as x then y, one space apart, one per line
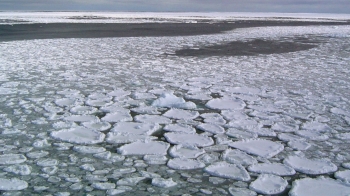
146 118
13 184
238 157
340 112
98 103
168 100
299 145
239 134
244 90
123 138
65 102
272 168
211 128
98 126
233 115
284 127
82 118
226 170
189 139
119 93
189 152
155 159
320 186
226 104
343 175
179 128
262 132
19 169
269 184
241 191
89 149
259 147
83 110
79 135
185 164
131 181
244 124
181 114
144 148
316 126
310 166
114 108
146 110
135 128
163 183
117 117
312 135
9 159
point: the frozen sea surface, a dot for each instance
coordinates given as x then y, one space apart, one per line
126 116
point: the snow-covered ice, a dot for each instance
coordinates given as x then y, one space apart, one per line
189 139
268 184
185 164
9 159
169 100
259 147
226 170
135 128
238 157
13 184
226 104
272 168
144 148
79 135
310 166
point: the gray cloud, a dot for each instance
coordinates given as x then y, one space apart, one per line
330 6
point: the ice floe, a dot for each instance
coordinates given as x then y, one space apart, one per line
89 149
189 139
79 135
146 118
117 117
163 183
239 134
82 118
13 184
211 128
181 114
122 138
185 164
272 168
320 186
19 169
135 128
310 166
179 128
169 100
188 152
226 104
144 148
226 170
259 147
9 159
238 157
268 184
99 126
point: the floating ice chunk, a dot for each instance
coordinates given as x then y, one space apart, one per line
146 110
139 95
241 191
144 148
244 90
263 132
181 114
343 175
199 96
88 167
155 159
117 117
232 132
340 112
114 108
250 98
79 135
179 128
259 147
289 137
269 184
320 186
83 110
98 126
98 103
163 183
244 124
299 145
99 96
185 164
89 149
53 109
316 126
189 152
189 139
265 108
264 115
119 93
300 115
211 128
7 91
9 159
233 115
310 166
226 104
37 154
272 168
103 185
226 170
135 128
123 138
65 102
132 181
168 100
19 169
62 125
146 118
82 118
47 162
238 157
13 184
312 135
284 127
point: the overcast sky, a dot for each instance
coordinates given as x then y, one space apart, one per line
304 6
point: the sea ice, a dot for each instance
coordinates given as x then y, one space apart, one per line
299 145
13 184
189 139
189 152
82 118
343 175
131 181
37 154
269 184
312 135
103 185
123 138
211 128
234 114
89 149
19 169
168 100
272 168
83 110
119 93
155 159
310 166
144 148
117 117
238 157
98 126
79 135
181 114
226 170
146 118
185 164
226 104
135 128
320 186
239 134
179 128
65 102
146 110
259 147
284 127
241 192
9 159
163 183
